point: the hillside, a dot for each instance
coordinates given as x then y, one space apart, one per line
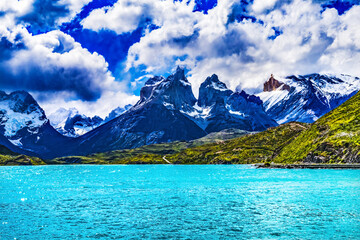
212 149
10 158
334 138
148 154
251 148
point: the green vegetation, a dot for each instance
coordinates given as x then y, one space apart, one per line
10 158
334 138
149 154
252 148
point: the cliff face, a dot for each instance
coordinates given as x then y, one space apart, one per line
272 84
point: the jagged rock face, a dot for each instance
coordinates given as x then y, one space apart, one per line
272 84
241 111
147 90
156 118
174 92
219 108
212 91
310 97
24 124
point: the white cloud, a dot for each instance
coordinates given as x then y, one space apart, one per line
312 40
262 5
60 73
109 100
126 15
123 17
241 53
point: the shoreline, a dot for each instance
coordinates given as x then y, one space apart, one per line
307 166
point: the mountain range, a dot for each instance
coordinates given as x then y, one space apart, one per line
332 139
305 98
168 111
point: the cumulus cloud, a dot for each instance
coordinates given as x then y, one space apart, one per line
127 15
52 62
56 69
241 42
262 5
123 17
244 53
41 15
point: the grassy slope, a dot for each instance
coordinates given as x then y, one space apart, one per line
334 138
252 148
10 158
149 154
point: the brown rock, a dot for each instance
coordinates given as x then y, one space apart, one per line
272 84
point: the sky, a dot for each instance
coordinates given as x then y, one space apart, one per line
95 55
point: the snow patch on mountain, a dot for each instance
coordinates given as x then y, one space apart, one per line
310 96
70 123
117 112
16 114
16 142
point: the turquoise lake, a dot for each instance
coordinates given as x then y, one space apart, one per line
178 202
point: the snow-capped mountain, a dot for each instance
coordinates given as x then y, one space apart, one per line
69 122
24 124
117 112
155 118
19 111
219 108
306 98
168 111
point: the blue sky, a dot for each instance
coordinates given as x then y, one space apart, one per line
95 55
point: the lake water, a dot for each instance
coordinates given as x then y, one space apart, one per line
182 202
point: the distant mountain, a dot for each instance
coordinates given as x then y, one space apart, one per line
306 98
73 124
219 108
24 124
117 112
168 111
155 118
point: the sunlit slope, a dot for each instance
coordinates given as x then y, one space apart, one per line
8 157
252 148
334 138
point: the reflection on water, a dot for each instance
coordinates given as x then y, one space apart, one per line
182 202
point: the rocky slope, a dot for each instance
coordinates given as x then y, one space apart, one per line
306 98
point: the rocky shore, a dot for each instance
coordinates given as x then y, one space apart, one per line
307 166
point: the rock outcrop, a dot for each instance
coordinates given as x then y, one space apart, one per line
272 84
